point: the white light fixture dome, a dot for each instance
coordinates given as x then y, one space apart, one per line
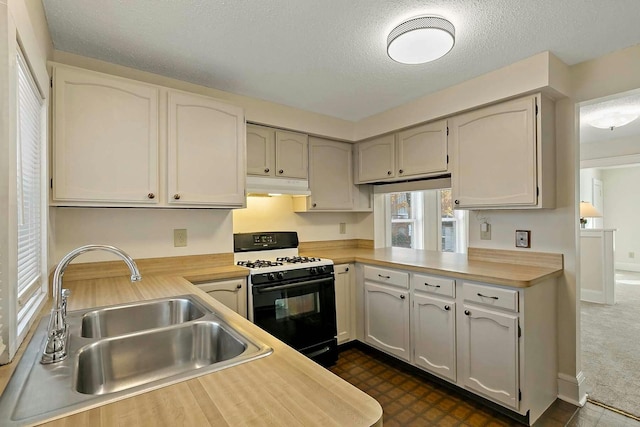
420 40
612 119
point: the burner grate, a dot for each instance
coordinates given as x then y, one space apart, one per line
259 263
297 259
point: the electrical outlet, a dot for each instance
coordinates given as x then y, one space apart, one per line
179 237
343 228
485 231
523 238
632 254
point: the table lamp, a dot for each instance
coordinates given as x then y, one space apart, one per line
587 210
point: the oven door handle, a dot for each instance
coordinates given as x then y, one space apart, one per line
291 285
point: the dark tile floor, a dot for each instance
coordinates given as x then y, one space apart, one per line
408 399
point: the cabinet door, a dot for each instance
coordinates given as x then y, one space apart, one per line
292 155
387 319
345 302
376 159
489 354
232 293
260 151
330 175
494 155
423 150
206 140
434 327
105 145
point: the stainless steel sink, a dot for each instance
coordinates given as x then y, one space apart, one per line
121 363
123 319
103 369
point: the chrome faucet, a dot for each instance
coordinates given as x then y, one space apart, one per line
55 348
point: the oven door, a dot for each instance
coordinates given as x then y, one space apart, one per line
302 314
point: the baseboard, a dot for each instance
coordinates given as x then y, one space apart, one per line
627 266
572 389
592 296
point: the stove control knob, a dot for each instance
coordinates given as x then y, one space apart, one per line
322 269
313 270
280 275
271 276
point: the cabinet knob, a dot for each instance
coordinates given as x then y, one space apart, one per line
281 171
457 202
314 205
176 196
447 308
238 286
151 196
388 172
467 312
401 296
401 171
266 170
346 269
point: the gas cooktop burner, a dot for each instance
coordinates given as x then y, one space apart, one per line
259 263
297 259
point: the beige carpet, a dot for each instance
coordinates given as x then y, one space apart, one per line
611 346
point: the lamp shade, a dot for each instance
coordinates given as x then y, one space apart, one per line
420 40
587 210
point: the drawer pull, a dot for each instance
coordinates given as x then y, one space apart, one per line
486 296
401 296
467 312
447 308
238 286
384 277
433 286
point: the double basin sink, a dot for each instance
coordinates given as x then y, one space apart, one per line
119 351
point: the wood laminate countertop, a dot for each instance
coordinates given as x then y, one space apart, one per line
282 389
512 271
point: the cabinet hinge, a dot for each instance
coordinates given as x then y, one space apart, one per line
536 109
51 183
447 130
537 191
519 331
51 82
519 395
447 159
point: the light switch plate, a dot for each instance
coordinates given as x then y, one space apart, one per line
523 238
485 231
179 237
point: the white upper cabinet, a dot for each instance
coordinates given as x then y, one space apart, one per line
277 153
108 132
413 153
105 138
422 150
205 156
503 156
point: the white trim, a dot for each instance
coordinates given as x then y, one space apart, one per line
627 266
572 389
590 295
610 161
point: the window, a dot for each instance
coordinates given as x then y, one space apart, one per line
425 220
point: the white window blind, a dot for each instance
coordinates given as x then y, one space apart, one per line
30 190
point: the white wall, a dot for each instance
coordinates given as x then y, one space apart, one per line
586 193
276 214
623 211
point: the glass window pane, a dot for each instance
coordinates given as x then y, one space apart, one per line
401 234
400 206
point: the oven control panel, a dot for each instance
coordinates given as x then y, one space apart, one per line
299 274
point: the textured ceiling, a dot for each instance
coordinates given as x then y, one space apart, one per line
329 56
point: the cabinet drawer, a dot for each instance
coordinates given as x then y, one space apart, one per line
434 285
390 277
491 296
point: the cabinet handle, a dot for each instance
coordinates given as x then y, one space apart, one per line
486 296
176 196
447 308
467 312
266 170
281 171
346 269
457 202
401 171
401 296
433 286
314 205
384 277
151 196
238 286
388 172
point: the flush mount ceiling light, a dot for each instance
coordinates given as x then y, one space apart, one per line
612 119
420 40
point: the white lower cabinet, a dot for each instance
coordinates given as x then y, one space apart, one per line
386 324
434 335
489 353
345 302
232 293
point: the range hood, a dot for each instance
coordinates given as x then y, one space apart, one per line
266 185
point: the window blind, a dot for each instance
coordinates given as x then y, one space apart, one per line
30 113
